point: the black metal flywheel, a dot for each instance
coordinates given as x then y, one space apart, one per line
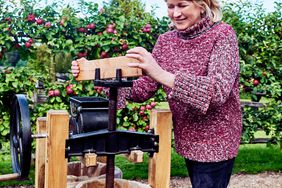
20 136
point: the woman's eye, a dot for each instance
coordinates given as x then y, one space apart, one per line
183 5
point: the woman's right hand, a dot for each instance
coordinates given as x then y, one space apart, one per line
75 66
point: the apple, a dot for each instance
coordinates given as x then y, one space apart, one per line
81 54
31 18
56 92
149 107
81 30
69 89
39 21
1 55
142 108
51 93
255 82
110 30
98 89
147 128
27 44
147 28
48 24
91 26
141 113
104 54
264 73
124 46
153 104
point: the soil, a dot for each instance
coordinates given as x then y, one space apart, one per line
262 180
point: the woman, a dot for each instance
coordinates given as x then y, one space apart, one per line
198 65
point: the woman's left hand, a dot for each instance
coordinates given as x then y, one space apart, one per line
150 66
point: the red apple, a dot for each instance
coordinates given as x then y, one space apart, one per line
124 46
69 89
104 54
153 104
56 92
110 30
39 21
147 128
149 107
255 82
51 93
142 108
91 26
81 30
31 18
141 113
48 24
81 54
27 44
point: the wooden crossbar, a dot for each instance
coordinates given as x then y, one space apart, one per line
108 68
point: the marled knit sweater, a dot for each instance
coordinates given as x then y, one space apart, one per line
205 98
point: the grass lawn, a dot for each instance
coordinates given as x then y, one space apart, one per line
252 159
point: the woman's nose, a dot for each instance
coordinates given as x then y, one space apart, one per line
176 12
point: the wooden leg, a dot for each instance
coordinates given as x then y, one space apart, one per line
56 163
40 150
159 164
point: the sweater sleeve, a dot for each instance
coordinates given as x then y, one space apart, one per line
202 92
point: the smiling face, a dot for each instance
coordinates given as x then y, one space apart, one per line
183 13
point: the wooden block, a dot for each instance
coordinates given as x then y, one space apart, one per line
90 159
56 163
108 68
136 156
102 159
40 149
159 164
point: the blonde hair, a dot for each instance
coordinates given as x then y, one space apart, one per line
211 7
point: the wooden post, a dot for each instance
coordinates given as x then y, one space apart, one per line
56 163
159 164
40 150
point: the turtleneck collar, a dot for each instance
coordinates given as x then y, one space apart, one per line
191 32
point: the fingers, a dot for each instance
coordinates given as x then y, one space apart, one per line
139 57
137 50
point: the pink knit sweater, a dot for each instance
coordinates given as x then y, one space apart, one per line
205 98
